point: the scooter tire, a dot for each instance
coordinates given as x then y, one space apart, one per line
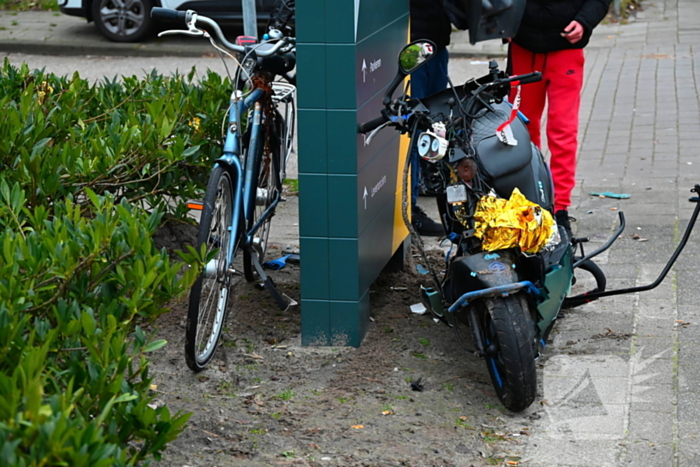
508 325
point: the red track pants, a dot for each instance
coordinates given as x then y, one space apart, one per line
562 80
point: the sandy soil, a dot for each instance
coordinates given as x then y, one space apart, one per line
266 400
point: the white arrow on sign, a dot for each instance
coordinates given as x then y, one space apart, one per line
364 70
364 197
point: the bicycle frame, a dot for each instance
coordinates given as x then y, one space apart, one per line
244 178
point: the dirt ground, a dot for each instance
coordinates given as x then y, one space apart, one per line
267 401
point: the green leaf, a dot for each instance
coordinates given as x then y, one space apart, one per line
89 324
126 398
155 345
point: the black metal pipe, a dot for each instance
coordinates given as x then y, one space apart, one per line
607 245
590 296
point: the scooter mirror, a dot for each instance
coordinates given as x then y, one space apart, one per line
415 55
412 57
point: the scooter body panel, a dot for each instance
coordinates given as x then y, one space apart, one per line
482 270
557 284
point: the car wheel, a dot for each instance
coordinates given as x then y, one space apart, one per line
122 20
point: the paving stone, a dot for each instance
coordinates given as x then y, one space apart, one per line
649 454
651 427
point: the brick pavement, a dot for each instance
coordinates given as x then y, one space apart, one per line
621 380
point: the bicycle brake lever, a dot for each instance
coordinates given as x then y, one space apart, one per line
190 32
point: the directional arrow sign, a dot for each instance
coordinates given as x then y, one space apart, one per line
364 70
364 197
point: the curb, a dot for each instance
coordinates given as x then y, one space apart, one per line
158 50
477 54
115 50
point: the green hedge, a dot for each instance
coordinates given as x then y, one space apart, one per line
147 140
85 172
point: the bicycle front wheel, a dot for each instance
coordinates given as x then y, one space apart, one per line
210 294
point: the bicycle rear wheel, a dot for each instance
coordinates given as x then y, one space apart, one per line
267 191
210 294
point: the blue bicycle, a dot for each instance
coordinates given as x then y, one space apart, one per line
245 185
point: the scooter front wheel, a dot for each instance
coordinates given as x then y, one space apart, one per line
509 337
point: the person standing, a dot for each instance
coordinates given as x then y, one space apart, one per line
428 21
550 39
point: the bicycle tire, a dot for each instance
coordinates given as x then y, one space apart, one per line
508 324
210 293
267 189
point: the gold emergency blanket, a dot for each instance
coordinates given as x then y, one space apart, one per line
502 223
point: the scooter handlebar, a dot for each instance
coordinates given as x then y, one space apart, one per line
528 78
372 124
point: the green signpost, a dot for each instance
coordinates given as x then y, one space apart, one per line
350 222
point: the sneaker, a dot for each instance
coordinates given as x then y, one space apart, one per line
424 225
563 220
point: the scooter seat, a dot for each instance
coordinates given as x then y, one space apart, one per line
497 158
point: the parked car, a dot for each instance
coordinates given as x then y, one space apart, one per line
130 20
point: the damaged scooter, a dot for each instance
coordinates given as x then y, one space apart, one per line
512 268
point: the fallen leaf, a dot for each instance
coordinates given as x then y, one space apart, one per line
358 427
387 412
254 355
463 418
153 387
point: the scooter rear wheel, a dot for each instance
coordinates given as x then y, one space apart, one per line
510 336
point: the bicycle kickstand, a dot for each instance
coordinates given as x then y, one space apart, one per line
282 301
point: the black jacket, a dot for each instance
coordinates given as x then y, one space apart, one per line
545 20
429 21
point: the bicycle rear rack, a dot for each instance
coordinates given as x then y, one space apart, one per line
283 92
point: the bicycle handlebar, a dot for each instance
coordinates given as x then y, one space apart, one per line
166 15
191 18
